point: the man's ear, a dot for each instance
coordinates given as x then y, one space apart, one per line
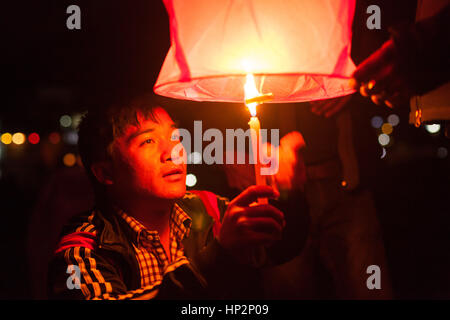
102 171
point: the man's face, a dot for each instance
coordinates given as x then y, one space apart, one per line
142 159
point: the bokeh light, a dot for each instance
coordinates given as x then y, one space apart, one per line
34 138
54 138
376 122
442 153
191 180
71 137
76 119
69 159
65 121
433 128
387 128
195 158
18 138
6 138
383 139
393 119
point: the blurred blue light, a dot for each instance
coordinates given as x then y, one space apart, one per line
376 122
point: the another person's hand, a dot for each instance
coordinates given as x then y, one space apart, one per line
381 77
329 107
291 172
246 226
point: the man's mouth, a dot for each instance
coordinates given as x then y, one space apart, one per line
173 174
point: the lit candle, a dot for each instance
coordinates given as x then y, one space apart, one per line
255 127
252 98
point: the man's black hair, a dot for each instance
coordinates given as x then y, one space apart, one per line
101 125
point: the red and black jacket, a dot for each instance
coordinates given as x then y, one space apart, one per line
110 262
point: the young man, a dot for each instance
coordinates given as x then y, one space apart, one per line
149 238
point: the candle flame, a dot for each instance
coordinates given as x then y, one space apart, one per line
250 92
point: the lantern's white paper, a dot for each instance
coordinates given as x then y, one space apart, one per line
297 50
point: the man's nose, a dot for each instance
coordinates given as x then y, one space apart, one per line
168 151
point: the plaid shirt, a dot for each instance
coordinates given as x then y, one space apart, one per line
150 254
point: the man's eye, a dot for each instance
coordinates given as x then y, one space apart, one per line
148 141
175 137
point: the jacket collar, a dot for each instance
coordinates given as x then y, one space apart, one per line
115 231
179 220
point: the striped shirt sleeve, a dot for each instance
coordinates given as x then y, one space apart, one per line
99 280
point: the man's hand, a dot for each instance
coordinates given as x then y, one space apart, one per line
381 78
247 226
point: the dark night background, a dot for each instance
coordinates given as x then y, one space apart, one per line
49 71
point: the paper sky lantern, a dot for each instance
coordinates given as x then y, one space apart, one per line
296 50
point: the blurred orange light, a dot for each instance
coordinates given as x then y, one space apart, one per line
33 138
54 137
69 159
387 128
6 138
18 138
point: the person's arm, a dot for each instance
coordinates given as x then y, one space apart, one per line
99 279
296 212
